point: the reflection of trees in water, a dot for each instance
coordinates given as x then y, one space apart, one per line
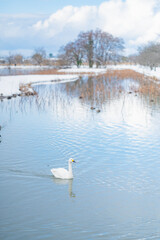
98 90
16 71
93 91
147 88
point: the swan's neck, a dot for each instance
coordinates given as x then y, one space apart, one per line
70 169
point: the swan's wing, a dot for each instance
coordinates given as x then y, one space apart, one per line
60 173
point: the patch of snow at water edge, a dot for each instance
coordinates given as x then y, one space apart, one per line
10 84
84 70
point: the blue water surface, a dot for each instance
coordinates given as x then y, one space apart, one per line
116 187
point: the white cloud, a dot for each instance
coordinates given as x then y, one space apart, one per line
68 17
129 19
136 21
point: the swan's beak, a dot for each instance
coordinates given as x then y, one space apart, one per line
73 160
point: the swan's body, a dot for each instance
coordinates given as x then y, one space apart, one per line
63 173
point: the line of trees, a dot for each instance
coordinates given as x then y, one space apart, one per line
38 58
149 55
14 59
39 55
92 47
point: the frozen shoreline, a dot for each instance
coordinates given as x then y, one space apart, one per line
10 85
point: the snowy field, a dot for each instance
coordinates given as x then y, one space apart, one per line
10 84
84 70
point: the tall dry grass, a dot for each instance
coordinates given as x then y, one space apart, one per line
147 85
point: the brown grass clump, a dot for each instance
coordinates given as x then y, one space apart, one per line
124 74
109 86
147 85
26 90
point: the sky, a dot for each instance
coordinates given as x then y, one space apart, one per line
27 25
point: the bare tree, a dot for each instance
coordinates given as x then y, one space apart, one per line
72 53
10 59
39 55
100 47
131 58
93 47
18 59
86 40
149 55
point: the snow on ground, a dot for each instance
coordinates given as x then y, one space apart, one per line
84 70
10 84
138 68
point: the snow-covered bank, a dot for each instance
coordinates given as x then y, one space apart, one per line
84 70
138 68
9 85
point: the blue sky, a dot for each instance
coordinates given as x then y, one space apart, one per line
26 25
41 6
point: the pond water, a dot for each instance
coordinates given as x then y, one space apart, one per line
8 71
116 187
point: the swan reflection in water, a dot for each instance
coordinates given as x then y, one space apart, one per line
65 182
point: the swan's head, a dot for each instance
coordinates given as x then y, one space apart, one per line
71 160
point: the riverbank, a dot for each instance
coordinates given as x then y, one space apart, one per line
20 85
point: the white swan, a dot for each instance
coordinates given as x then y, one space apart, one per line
63 173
